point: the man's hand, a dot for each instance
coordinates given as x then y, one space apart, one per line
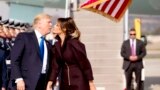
133 58
3 88
20 85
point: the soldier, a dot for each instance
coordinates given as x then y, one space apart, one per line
3 54
8 44
6 28
7 33
22 27
12 29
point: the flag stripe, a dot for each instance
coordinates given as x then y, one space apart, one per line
117 8
105 5
91 3
113 7
88 2
101 5
120 12
109 6
97 6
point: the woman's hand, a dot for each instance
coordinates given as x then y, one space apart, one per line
49 85
91 85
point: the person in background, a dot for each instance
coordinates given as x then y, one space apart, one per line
3 67
11 29
51 37
3 70
70 59
22 27
2 33
133 52
17 28
30 56
6 29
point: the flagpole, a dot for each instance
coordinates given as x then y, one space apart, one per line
125 37
126 25
67 8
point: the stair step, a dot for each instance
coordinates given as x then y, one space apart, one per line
102 39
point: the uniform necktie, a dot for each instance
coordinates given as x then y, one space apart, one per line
41 48
132 48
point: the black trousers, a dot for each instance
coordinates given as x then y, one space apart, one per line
41 85
128 74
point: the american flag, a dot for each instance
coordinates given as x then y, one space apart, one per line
90 3
113 9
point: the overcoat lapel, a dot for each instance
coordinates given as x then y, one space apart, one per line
58 48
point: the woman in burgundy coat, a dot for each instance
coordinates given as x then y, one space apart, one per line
70 58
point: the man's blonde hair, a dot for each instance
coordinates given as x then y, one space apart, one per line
39 17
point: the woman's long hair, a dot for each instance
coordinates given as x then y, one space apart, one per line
69 27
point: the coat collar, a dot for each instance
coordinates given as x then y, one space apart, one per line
58 48
35 41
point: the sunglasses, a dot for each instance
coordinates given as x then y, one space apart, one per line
132 34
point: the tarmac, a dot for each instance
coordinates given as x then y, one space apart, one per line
152 74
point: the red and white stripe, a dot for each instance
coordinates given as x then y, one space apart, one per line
90 3
114 8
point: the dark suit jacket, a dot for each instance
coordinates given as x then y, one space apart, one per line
3 70
25 60
126 53
75 67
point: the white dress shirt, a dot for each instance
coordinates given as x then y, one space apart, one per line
38 35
